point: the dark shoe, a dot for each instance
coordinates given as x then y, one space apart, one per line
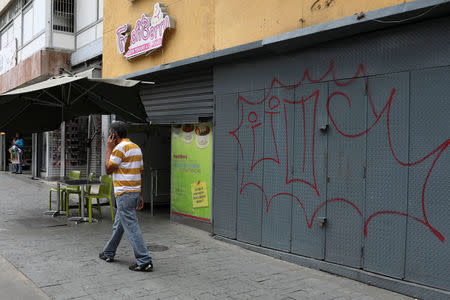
105 258
142 268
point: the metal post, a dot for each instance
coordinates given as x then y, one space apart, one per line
89 149
151 192
3 153
34 155
62 170
47 153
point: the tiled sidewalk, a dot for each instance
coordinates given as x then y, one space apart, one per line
61 258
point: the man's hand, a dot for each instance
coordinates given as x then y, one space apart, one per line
111 143
141 203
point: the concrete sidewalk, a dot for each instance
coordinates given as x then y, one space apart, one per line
15 286
61 258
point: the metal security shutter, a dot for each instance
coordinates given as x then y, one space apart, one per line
378 172
179 99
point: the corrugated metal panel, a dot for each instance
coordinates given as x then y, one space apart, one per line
401 242
276 224
251 198
226 164
346 162
427 257
309 241
179 100
384 246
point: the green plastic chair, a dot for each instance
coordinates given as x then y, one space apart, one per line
61 190
72 190
103 193
72 175
87 190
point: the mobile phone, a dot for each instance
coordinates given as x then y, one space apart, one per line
113 136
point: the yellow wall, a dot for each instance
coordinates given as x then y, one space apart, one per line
203 26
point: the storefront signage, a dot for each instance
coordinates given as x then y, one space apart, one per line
199 192
8 57
191 170
147 35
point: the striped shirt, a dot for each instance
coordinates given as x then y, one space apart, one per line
127 157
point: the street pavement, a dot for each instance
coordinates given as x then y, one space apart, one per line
16 286
60 259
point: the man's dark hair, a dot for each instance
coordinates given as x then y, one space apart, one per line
19 134
120 128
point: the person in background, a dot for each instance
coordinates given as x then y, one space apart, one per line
124 162
17 146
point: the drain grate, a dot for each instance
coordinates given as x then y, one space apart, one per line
157 248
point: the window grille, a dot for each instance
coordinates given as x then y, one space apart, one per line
63 16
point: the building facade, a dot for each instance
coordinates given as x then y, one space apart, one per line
44 38
330 125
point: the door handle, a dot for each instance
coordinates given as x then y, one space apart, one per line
321 221
324 129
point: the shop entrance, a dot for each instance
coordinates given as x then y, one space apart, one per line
181 103
177 171
26 152
155 144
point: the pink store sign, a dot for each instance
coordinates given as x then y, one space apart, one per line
147 35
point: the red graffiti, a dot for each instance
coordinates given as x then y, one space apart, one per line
274 102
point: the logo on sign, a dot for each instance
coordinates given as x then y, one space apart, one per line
147 35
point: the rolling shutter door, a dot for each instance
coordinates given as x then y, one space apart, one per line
179 99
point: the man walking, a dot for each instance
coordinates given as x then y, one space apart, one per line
124 161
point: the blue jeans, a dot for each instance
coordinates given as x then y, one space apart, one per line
18 167
126 221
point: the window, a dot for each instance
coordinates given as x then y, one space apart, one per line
9 14
27 25
100 9
3 39
63 18
7 37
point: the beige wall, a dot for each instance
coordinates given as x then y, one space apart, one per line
203 26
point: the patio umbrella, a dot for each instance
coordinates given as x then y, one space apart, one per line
43 106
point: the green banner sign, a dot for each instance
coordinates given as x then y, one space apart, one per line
191 170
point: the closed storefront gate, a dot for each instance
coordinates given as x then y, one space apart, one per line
185 97
341 152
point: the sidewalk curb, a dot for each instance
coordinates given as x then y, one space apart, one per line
15 285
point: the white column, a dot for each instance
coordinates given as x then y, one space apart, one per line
34 155
47 153
106 121
2 154
49 23
89 149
